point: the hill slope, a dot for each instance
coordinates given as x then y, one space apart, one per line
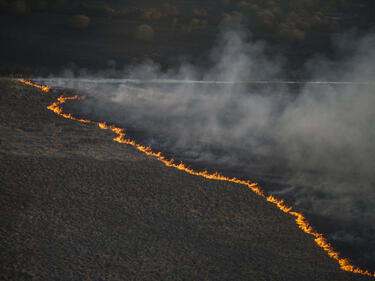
75 205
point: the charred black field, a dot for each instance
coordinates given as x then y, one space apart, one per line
76 205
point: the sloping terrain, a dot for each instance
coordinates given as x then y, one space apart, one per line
77 206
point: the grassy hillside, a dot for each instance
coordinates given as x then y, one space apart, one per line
75 205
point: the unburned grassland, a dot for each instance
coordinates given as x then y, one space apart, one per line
74 205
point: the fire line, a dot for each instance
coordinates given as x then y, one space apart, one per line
300 219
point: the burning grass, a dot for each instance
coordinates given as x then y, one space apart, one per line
301 221
76 205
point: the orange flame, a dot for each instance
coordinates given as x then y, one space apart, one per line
42 87
301 221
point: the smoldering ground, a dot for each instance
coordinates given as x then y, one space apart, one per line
310 143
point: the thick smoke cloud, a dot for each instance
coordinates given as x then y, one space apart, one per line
310 143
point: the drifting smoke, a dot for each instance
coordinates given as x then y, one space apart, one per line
312 144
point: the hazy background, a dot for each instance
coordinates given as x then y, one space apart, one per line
42 36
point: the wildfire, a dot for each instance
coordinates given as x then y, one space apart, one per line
300 219
42 87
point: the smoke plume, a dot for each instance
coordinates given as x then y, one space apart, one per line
312 143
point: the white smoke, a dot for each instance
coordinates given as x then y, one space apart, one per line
315 142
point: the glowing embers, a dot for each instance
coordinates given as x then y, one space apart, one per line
300 218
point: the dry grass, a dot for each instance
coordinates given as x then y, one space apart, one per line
75 205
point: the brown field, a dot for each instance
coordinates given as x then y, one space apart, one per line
77 206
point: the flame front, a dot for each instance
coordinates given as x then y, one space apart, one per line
300 219
42 87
